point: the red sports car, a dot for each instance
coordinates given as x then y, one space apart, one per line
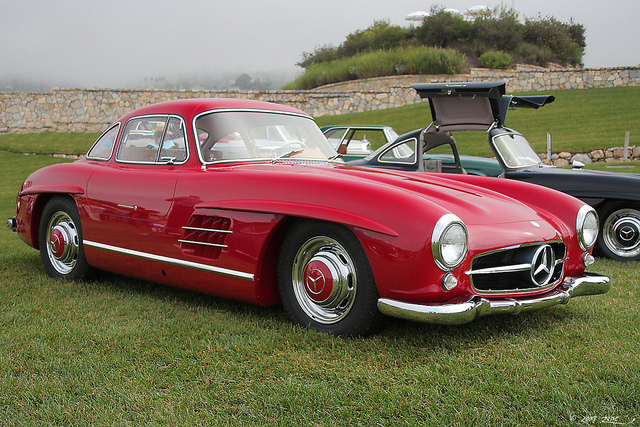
247 200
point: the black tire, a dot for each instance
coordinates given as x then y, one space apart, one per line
313 250
619 236
60 240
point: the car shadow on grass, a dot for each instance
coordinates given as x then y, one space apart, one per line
411 333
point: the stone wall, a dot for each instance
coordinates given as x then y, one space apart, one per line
609 155
91 110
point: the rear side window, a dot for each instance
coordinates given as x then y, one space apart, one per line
103 147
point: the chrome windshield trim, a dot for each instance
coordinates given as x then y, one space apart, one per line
194 126
174 261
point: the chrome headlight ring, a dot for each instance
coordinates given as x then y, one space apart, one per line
449 242
587 227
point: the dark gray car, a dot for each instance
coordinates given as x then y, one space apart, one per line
483 106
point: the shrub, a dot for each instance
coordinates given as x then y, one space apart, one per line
531 54
431 60
442 29
422 60
380 35
565 41
495 59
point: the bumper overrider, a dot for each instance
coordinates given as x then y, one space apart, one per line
11 223
477 306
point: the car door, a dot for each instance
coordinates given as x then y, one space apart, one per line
137 188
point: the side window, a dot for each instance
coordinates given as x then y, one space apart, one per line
370 139
141 140
174 144
401 153
335 136
153 139
103 147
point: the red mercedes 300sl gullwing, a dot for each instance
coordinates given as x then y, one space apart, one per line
248 200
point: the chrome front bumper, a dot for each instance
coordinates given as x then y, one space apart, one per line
477 306
11 223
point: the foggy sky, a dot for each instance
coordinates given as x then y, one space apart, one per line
109 43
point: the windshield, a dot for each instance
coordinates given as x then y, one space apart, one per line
515 151
252 135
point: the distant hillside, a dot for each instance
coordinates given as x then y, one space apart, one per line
445 43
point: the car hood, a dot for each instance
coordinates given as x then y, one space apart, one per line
474 204
422 195
473 105
582 183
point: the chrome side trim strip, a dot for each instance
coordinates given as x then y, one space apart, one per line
477 306
174 261
216 245
208 229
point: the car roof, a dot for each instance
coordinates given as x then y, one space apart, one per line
194 106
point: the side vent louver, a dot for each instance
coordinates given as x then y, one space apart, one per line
205 236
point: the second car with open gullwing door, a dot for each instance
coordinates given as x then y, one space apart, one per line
483 106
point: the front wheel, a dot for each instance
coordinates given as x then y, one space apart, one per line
620 232
325 280
60 240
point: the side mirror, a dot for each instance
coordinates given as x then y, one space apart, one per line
577 165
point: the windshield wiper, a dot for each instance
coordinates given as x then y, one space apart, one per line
290 153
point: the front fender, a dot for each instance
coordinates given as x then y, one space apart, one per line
51 188
303 210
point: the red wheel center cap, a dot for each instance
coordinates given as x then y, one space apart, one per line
318 281
57 243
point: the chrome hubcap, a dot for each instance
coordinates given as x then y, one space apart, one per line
621 233
63 242
324 280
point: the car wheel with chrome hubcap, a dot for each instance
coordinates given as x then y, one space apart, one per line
325 280
620 232
60 240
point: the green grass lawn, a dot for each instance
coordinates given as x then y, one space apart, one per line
118 351
48 143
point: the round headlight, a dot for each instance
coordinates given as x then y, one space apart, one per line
449 242
587 227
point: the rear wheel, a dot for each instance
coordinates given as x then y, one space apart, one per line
60 240
325 280
619 237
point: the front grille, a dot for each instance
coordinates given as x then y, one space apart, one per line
522 268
